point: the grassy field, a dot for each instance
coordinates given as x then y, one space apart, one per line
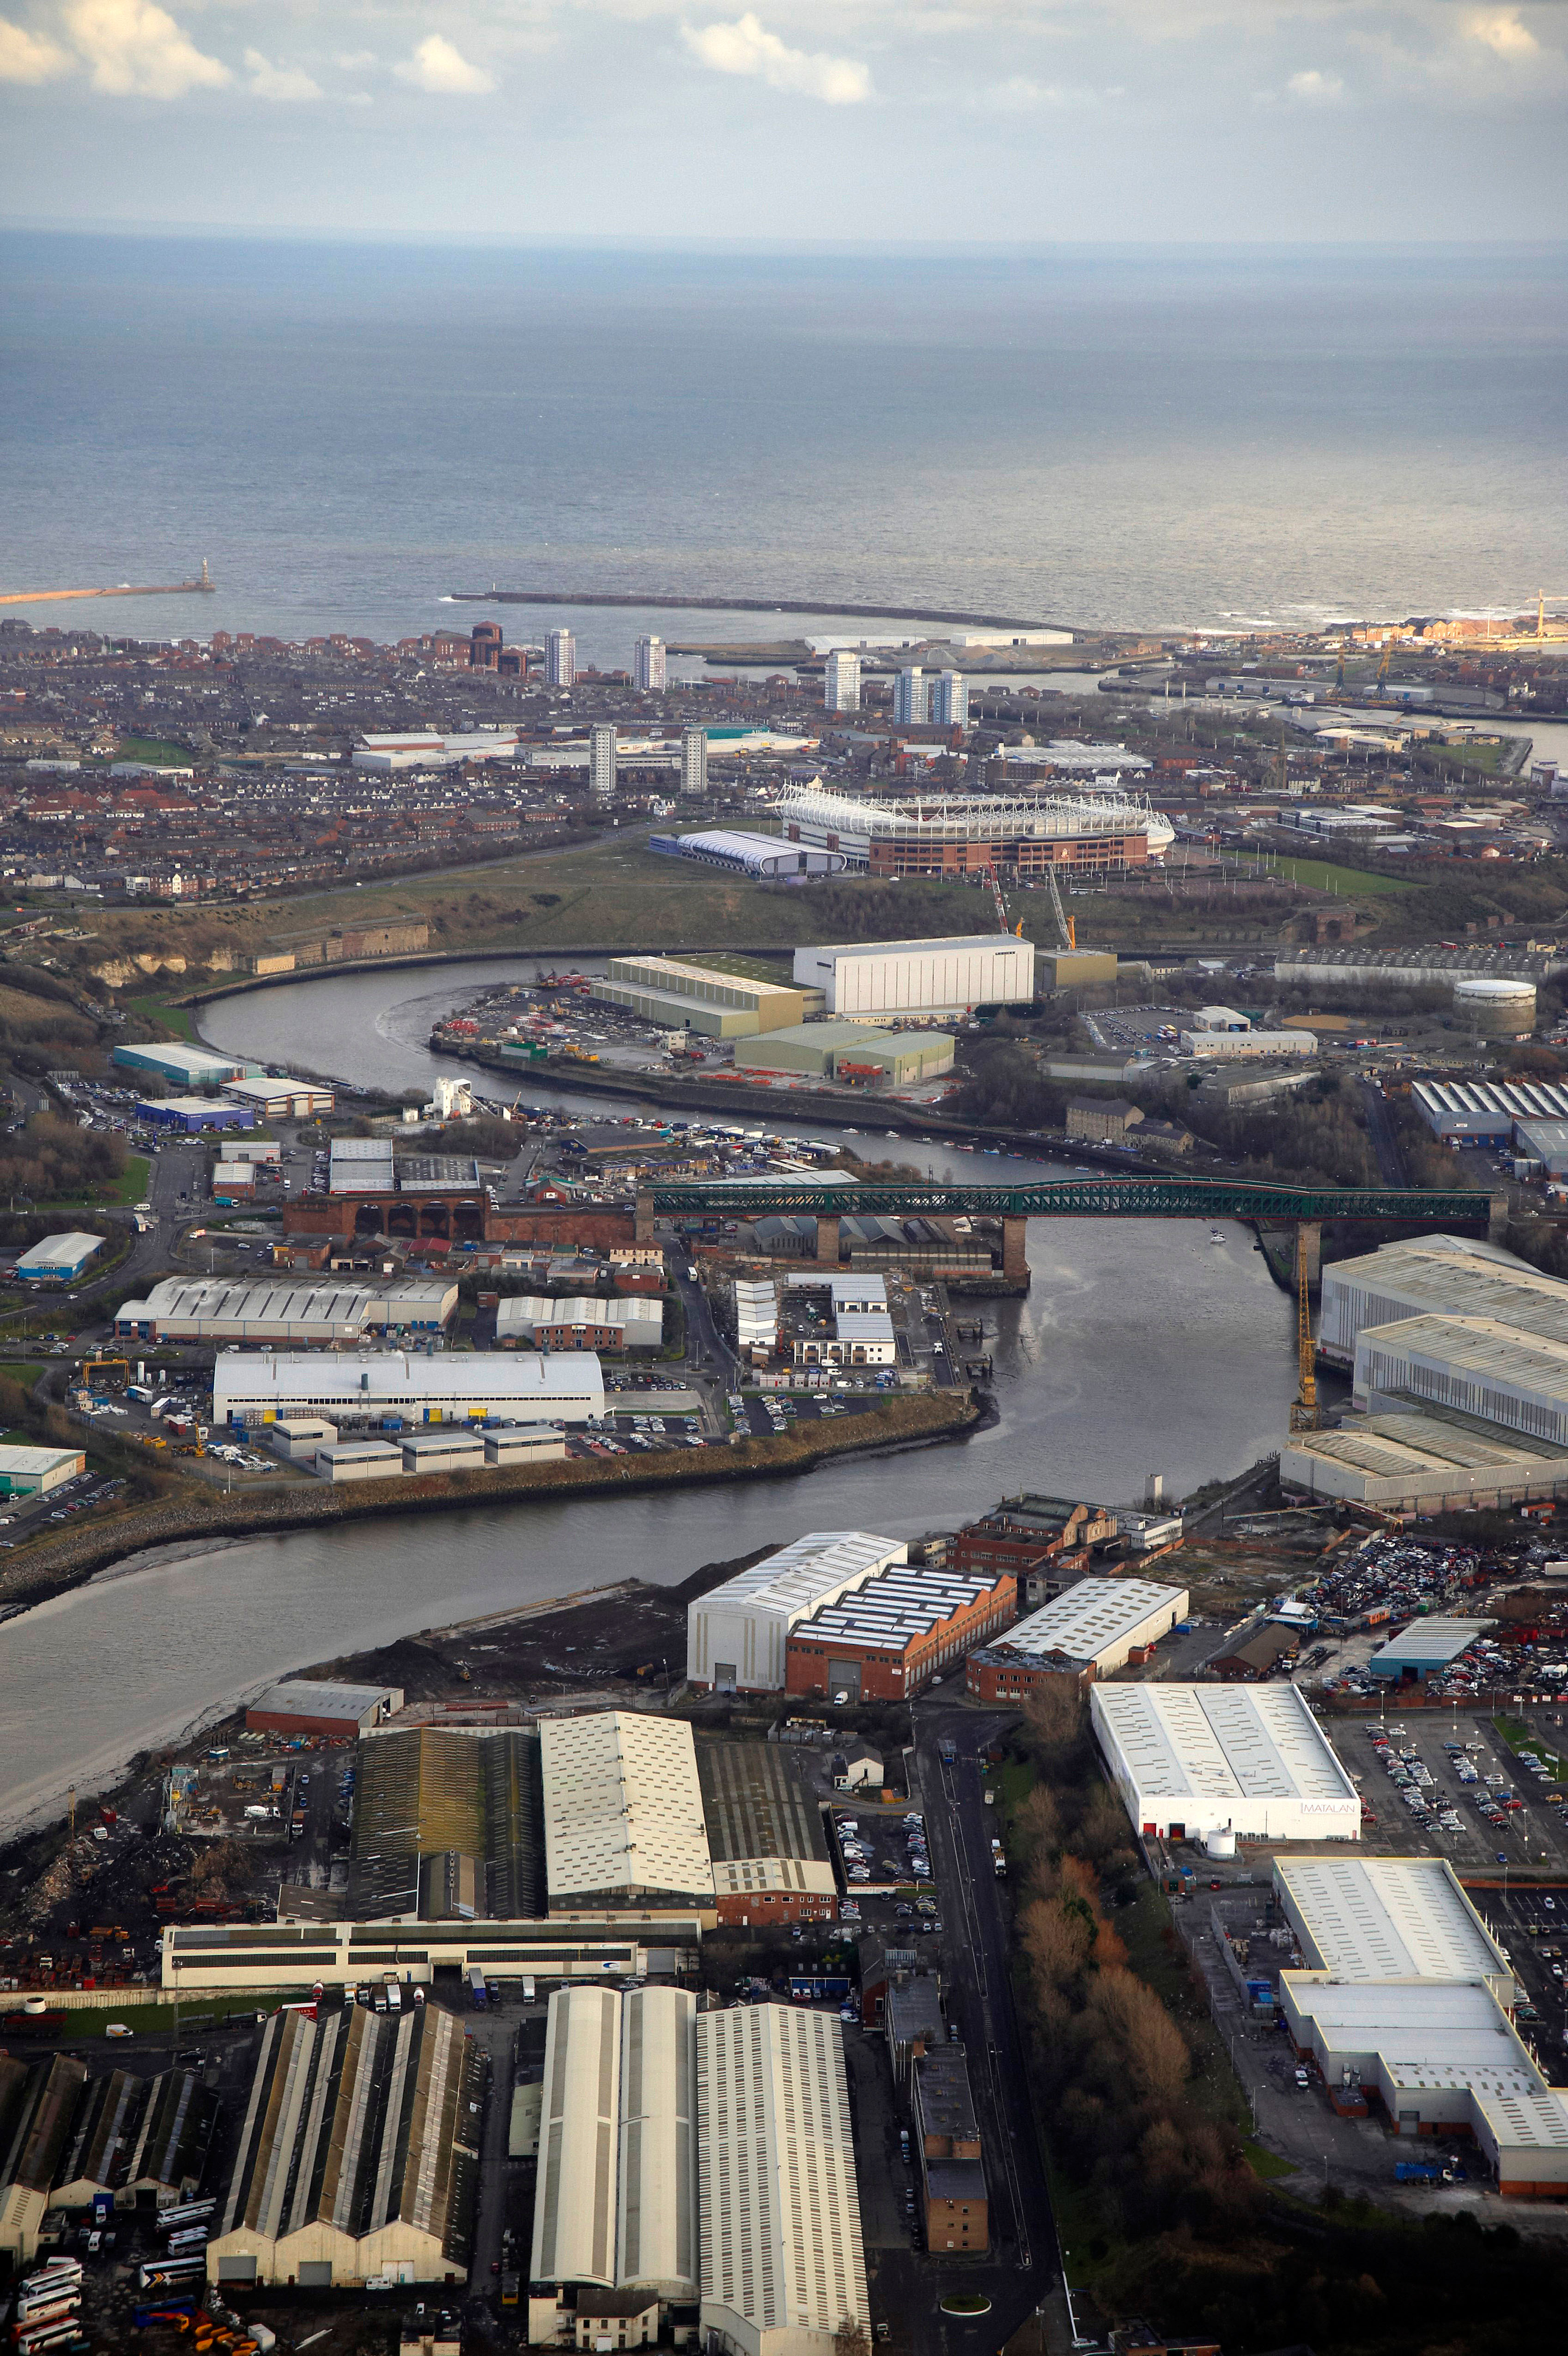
156 1008
131 1187
155 748
1354 883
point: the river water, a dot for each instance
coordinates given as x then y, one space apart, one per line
1142 1347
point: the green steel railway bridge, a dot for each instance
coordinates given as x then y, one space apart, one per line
1014 1202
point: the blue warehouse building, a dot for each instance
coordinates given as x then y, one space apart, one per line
188 1116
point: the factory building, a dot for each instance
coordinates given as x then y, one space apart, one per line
579 1322
888 1638
1251 1761
185 1067
1091 1629
702 998
1424 1464
311 1706
1486 1112
738 1634
623 1815
191 1116
288 1958
617 2205
38 2103
1476 1366
850 1052
357 2154
783 2270
762 857
1441 1276
875 980
56 1259
273 1098
445 1825
1045 1542
1425 1649
565 1386
976 835
275 1315
766 1835
34 1471
1406 2000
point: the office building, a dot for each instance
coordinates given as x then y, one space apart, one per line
561 659
1405 2003
840 681
647 665
783 2271
565 1386
1091 1629
602 760
911 697
738 1634
946 2137
869 980
623 1815
694 764
617 2204
950 700
358 2152
1249 1760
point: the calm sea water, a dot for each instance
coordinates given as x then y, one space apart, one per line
349 433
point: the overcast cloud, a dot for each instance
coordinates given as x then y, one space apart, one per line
929 121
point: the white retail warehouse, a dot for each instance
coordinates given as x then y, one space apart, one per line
1246 1760
1406 1996
1093 1627
868 981
351 1388
737 1634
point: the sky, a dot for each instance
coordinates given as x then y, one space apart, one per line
860 121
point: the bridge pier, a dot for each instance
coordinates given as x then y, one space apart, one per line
644 1231
1014 1247
828 1238
1498 1220
1309 1233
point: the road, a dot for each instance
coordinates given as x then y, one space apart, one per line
1381 1132
975 1943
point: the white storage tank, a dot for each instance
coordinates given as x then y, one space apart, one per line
1220 1843
1495 1008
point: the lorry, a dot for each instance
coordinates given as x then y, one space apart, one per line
478 1995
1418 2171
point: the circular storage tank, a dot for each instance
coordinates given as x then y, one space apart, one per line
1221 1842
1496 1009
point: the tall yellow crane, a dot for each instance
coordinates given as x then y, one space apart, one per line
1304 1414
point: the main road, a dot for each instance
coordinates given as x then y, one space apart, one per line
975 1947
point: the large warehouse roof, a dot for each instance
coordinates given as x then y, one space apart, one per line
256 1309
1252 1757
1420 1459
1367 1919
623 1811
1454 1276
468 1382
783 2265
617 2178
897 1608
1480 1366
356 2150
1429 1643
1088 1618
812 1570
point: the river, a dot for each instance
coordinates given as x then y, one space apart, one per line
1142 1347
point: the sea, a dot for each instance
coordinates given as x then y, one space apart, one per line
1139 439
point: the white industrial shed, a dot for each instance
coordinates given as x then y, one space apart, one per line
1095 1624
1421 1461
568 1384
867 980
783 2270
1444 1276
636 1317
185 1309
1407 1995
617 2202
623 1814
737 1634
1250 1760
1475 1366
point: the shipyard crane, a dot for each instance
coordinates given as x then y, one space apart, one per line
1304 1413
1067 930
1001 905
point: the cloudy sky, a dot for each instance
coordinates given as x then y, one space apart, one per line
872 121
